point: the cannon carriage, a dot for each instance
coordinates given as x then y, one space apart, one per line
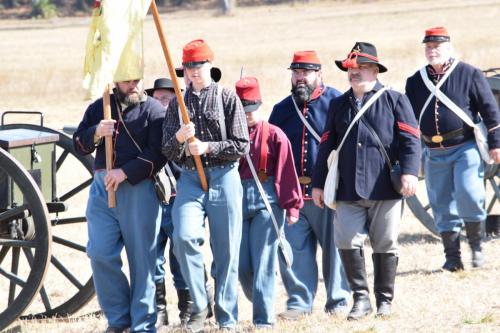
43 191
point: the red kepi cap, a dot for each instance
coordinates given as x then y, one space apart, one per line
247 89
436 34
305 60
196 53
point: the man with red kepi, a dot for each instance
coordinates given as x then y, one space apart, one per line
454 171
218 121
302 117
271 155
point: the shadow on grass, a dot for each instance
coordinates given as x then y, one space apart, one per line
406 238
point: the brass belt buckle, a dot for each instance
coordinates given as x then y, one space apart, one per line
304 180
437 139
262 175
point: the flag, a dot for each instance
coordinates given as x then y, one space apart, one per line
114 49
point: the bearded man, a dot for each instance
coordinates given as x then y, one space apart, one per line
302 117
136 127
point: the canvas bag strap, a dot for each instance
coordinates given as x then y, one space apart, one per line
269 209
167 167
446 101
363 109
423 74
304 121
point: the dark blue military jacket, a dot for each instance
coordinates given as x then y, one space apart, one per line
468 89
144 122
364 173
304 145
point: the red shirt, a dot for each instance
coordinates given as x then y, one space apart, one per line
280 165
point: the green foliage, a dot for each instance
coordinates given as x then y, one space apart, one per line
43 9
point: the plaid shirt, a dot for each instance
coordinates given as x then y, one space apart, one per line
203 112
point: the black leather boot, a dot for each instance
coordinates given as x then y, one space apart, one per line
384 271
185 305
473 231
161 305
451 243
354 266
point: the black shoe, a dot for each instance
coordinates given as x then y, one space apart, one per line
292 314
383 310
360 309
185 305
473 231
196 322
354 266
161 305
384 272
115 330
451 243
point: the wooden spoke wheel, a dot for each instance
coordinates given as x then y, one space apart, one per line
68 285
420 207
25 240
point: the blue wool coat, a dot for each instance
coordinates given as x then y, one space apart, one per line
468 89
304 145
363 171
144 121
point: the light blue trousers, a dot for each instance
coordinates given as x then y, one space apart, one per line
454 181
301 281
166 232
222 205
259 247
133 224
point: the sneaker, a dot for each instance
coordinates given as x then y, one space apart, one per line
293 314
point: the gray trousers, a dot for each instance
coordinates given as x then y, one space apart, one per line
377 219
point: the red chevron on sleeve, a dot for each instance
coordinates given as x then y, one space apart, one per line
324 137
407 128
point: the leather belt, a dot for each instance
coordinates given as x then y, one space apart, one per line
439 138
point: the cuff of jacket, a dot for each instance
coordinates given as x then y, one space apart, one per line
137 170
85 140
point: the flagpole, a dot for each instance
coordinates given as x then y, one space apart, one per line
180 99
108 141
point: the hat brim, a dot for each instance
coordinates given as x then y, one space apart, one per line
381 68
252 107
215 73
151 91
439 39
303 65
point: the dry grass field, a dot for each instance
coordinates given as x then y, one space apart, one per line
41 69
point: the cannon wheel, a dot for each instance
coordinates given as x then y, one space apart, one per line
80 287
420 207
34 249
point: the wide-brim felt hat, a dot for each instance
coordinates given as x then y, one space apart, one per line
361 53
161 83
215 73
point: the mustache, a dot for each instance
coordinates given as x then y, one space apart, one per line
354 77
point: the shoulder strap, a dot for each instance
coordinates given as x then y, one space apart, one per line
375 136
360 113
446 101
263 194
425 78
222 118
264 149
304 121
